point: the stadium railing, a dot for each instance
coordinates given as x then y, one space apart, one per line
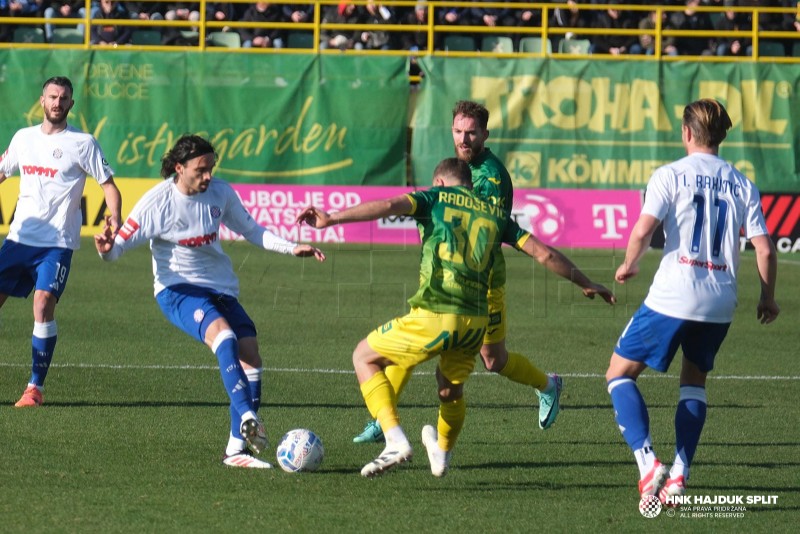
435 32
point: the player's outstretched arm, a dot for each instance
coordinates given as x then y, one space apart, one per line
638 244
767 263
556 262
368 211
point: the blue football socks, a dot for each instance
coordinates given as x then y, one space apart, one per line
43 343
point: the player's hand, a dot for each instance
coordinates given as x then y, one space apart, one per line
104 241
304 251
314 217
626 271
599 289
768 311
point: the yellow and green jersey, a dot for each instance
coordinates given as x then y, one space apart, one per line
461 233
490 180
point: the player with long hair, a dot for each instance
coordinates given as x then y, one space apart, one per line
195 284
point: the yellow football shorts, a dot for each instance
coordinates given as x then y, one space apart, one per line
496 329
422 335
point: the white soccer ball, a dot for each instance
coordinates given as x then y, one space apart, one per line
300 450
542 218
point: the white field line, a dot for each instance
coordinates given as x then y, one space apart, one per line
155 367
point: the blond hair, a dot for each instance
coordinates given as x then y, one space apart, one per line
708 121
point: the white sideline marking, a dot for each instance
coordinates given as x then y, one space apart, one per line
156 367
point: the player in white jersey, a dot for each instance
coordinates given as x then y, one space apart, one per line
53 160
195 284
703 202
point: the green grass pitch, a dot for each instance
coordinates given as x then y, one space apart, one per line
135 420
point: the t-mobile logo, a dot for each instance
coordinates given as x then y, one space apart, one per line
610 217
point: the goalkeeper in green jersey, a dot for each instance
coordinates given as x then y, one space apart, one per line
461 235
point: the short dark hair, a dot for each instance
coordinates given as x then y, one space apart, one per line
471 109
454 170
708 121
61 81
187 147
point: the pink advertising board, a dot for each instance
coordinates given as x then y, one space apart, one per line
559 217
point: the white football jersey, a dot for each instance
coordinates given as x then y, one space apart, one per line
704 203
52 170
183 232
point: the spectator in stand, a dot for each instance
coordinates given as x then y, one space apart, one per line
451 16
610 43
377 13
793 23
647 41
146 10
733 21
62 9
111 35
182 11
492 17
16 8
570 19
220 12
176 35
300 13
418 38
691 19
529 18
774 22
263 37
343 13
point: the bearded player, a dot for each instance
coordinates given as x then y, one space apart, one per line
53 160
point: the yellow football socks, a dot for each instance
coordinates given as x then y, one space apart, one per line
520 369
398 377
451 421
381 400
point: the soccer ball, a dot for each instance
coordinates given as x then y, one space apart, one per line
542 218
300 450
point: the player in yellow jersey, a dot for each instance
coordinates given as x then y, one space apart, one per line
492 181
461 235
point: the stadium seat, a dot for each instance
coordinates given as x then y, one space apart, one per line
28 35
459 43
771 48
67 36
146 37
497 43
533 45
574 46
224 39
796 49
300 40
188 38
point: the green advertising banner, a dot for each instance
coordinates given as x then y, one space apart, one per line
608 124
274 118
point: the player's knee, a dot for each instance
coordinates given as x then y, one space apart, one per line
451 393
362 352
44 304
493 360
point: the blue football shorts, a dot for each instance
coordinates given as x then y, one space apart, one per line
23 268
193 308
653 339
